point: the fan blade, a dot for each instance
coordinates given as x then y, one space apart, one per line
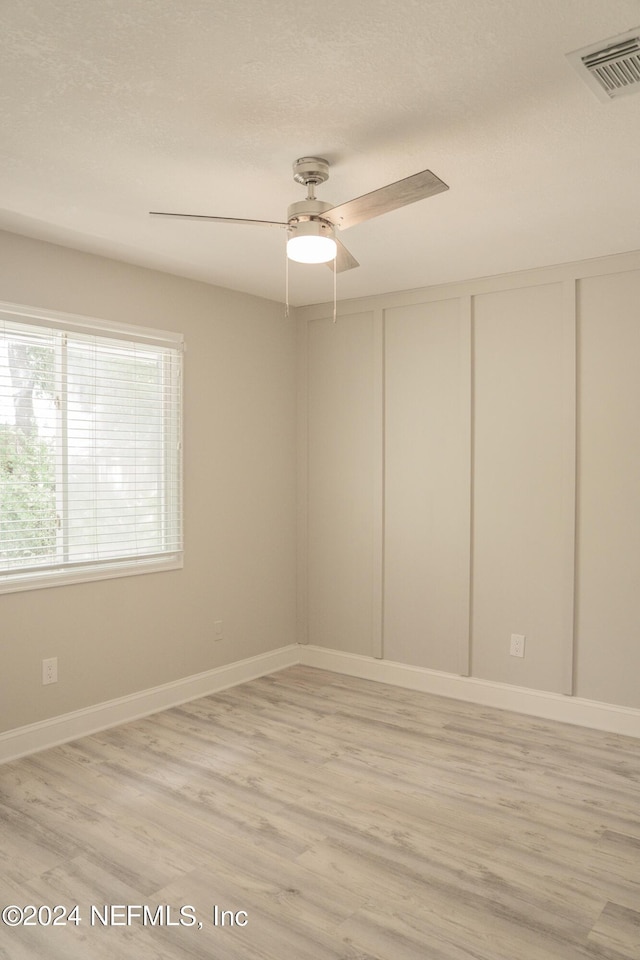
198 216
344 259
394 195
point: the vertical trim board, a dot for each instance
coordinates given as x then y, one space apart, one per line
377 621
302 486
466 413
569 321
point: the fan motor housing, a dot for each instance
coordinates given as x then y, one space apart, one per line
307 209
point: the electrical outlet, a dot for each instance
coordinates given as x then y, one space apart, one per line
517 645
217 630
50 670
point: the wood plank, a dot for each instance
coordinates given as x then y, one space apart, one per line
351 820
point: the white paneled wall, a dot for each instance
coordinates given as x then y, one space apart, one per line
511 497
427 484
521 510
342 467
608 543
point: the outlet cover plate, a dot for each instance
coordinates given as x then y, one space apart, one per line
50 670
517 645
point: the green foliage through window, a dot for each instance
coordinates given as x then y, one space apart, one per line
90 448
28 514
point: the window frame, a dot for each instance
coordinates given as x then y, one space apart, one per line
12 581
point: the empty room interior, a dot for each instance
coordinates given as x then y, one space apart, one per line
320 480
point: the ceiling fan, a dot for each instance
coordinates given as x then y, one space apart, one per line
311 223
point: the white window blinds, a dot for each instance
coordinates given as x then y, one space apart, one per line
90 449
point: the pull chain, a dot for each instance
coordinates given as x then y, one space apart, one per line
286 281
335 288
286 287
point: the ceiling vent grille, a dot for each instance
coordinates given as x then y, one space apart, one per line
611 68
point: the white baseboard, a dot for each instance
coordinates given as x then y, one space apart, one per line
504 696
538 703
80 723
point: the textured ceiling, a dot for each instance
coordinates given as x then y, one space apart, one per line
115 108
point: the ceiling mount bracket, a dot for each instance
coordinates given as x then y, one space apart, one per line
311 170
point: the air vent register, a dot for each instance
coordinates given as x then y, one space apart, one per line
610 68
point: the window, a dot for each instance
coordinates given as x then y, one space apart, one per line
90 449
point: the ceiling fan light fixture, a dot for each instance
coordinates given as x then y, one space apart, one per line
312 242
311 223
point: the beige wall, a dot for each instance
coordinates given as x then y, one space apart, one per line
116 637
608 543
341 482
521 476
511 482
457 482
426 528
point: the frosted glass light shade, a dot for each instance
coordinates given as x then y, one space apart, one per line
311 243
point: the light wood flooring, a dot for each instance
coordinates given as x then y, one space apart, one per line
349 820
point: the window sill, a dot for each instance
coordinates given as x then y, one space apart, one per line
107 571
